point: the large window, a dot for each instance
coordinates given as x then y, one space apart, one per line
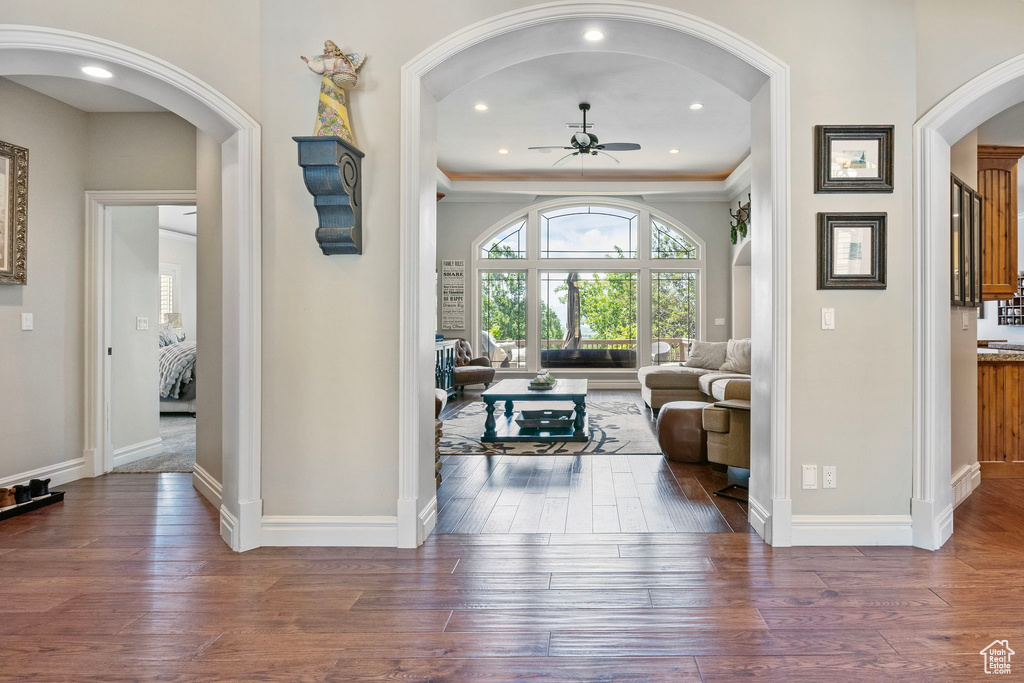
594 286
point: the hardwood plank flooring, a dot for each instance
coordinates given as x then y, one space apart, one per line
581 494
82 601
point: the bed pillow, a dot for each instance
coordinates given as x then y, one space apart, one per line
708 355
737 356
168 336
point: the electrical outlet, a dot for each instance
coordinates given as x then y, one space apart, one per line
26 322
142 323
828 477
719 321
810 476
828 318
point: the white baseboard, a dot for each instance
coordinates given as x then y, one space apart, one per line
209 487
59 473
757 517
138 451
228 528
965 480
853 530
299 530
427 519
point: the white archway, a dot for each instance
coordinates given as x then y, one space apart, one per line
34 50
965 109
654 31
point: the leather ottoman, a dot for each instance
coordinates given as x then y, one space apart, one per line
681 432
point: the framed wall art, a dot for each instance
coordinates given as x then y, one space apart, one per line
851 250
13 214
853 158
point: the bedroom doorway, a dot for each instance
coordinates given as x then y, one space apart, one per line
154 308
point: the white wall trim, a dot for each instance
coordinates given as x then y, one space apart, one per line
947 122
228 528
180 236
374 531
209 487
39 50
428 519
418 226
965 480
59 473
138 451
852 529
758 517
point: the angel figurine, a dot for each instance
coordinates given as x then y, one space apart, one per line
339 74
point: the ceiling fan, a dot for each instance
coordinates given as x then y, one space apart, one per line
587 143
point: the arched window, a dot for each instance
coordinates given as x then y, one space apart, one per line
595 285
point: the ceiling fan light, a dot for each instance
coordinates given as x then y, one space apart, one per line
593 35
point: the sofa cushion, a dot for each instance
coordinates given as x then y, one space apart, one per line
706 381
731 389
709 355
472 374
715 419
670 376
737 356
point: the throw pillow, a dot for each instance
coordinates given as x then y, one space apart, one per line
708 355
167 335
737 356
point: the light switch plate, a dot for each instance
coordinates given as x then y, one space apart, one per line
828 318
142 323
26 322
810 476
719 321
964 321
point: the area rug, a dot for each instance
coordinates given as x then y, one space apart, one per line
179 442
615 428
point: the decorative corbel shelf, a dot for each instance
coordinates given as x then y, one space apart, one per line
332 170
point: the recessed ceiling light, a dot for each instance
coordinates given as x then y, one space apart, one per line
481 107
593 35
696 105
502 151
96 72
673 151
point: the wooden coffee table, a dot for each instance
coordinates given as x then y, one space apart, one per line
505 428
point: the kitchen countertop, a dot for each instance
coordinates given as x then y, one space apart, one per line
1006 346
994 356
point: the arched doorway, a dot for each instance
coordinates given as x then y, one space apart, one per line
648 31
962 111
31 50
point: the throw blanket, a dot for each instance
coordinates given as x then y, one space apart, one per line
177 362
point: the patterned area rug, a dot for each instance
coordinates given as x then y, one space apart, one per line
179 441
614 428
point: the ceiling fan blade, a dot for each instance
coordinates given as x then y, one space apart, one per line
551 147
564 159
609 156
619 146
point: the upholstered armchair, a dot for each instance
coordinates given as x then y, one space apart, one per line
728 426
470 370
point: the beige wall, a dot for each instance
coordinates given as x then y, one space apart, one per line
331 324
140 151
963 344
41 373
135 406
43 420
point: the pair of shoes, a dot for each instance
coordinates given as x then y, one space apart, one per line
7 498
39 487
22 494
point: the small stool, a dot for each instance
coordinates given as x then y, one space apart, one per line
681 432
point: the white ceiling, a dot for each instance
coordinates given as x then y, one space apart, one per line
633 99
175 219
89 96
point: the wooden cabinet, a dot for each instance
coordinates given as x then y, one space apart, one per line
997 184
1000 417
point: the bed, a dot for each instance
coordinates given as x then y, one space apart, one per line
177 373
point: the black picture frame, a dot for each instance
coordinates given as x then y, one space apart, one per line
831 239
826 180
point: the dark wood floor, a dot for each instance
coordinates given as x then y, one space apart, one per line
128 580
581 494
